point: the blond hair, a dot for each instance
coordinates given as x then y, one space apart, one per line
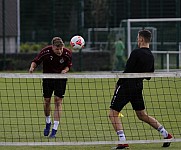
57 41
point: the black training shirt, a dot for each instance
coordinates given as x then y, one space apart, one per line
141 60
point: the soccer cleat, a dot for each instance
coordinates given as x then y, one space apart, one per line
47 129
122 146
52 135
167 144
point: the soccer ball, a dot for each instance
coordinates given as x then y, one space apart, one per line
77 42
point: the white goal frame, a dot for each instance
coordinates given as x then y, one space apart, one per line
129 21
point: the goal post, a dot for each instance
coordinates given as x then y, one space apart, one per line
166 39
84 119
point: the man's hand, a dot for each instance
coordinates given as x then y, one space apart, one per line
64 71
32 67
31 70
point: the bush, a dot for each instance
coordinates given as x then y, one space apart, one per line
36 47
31 47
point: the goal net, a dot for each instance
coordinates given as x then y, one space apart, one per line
84 119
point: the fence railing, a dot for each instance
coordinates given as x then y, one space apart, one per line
168 57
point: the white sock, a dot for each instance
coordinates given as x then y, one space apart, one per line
55 126
121 135
162 130
48 119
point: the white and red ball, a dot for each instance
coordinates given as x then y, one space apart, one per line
77 42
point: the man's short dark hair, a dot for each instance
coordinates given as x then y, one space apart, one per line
57 41
146 34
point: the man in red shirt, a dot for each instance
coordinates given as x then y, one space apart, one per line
56 59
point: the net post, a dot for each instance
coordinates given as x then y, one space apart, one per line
129 36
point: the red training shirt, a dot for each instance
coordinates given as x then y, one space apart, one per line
53 63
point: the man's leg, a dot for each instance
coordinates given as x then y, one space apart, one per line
142 115
118 127
57 115
115 120
47 109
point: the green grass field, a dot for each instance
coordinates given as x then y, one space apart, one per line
85 113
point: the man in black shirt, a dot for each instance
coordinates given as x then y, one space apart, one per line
130 90
56 59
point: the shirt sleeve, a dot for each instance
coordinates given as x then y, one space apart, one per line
131 62
68 55
39 58
153 68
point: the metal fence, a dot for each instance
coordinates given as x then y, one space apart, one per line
98 21
42 19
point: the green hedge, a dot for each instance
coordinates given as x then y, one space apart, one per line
36 47
31 47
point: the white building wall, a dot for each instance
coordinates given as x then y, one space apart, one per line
10 45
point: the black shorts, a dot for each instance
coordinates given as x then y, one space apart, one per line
57 86
128 91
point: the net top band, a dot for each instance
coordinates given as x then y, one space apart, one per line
91 75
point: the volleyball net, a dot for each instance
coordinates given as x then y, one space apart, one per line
84 119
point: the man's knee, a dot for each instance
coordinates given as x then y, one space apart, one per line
113 113
47 101
142 115
58 101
